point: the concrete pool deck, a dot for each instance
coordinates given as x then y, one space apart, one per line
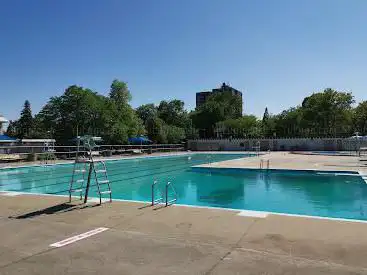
177 239
173 240
286 160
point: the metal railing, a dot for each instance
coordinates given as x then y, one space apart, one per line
23 152
163 199
154 200
169 202
262 162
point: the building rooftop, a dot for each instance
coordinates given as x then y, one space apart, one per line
36 140
3 119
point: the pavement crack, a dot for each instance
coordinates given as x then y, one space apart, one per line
233 247
324 262
26 258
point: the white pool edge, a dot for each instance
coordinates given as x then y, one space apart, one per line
241 212
363 176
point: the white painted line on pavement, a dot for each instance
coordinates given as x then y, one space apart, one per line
79 237
10 194
255 214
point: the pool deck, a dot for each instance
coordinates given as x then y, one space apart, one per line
286 160
178 239
173 240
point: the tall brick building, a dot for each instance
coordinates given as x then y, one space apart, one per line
201 97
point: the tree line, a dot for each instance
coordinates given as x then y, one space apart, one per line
82 111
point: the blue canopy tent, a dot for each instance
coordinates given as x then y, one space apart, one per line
139 140
5 138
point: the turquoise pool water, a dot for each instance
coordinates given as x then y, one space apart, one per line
294 192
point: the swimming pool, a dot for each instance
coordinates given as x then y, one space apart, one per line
293 192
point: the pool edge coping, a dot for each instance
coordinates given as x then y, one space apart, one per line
199 167
363 176
265 213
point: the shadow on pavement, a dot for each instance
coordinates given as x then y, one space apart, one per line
59 208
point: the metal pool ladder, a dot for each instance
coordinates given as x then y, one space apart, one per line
164 196
262 161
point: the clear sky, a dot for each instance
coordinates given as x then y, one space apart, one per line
275 51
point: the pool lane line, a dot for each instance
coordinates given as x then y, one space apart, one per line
71 162
79 237
46 175
182 167
111 181
184 153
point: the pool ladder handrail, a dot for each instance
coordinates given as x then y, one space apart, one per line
163 199
209 159
169 202
160 199
267 164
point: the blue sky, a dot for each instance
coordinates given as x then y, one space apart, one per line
276 52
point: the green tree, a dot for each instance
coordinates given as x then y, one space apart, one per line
167 123
155 130
74 113
247 126
11 131
147 112
266 115
122 121
327 113
81 111
267 124
120 93
218 107
174 134
173 112
360 118
288 123
25 122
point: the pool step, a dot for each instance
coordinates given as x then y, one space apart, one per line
101 171
80 171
